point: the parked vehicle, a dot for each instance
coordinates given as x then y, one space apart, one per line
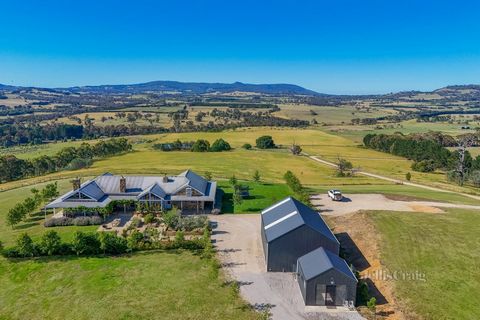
335 195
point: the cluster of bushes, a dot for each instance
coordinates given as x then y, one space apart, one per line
200 145
78 221
26 208
12 168
94 243
294 183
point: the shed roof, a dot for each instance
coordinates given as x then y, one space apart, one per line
288 215
320 261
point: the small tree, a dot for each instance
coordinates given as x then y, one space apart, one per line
344 168
237 196
16 214
50 243
50 191
256 176
179 237
25 245
247 146
408 176
233 180
220 145
296 149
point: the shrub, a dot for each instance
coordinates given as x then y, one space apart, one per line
85 243
247 146
220 145
149 218
265 142
78 221
134 240
424 166
50 243
408 176
179 237
475 178
362 292
112 244
25 246
171 219
81 221
201 146
136 223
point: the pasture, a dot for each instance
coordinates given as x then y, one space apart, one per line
444 247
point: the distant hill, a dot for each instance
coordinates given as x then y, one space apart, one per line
195 88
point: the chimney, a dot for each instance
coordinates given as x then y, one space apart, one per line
165 179
123 184
76 183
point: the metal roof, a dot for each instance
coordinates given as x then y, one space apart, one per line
195 181
320 261
288 215
107 186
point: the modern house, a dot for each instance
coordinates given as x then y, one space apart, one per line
296 239
290 230
188 191
325 279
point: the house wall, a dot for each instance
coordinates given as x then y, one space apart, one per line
183 192
309 293
284 252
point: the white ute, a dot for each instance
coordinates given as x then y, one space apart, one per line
335 195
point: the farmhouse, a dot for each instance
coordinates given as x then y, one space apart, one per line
325 279
188 191
290 230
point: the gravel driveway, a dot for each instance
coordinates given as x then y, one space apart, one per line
237 239
356 202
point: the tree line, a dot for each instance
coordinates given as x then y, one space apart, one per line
13 168
429 155
200 145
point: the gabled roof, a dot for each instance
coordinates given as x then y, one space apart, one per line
154 189
288 215
320 261
92 190
195 181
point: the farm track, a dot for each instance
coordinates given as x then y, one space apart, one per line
385 178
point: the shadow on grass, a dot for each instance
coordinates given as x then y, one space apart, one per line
352 253
26 226
227 203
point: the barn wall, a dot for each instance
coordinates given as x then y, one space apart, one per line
301 282
285 250
264 242
324 279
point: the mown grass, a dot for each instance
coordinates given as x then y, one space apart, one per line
262 195
442 246
151 285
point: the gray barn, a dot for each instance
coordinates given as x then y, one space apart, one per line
325 279
291 229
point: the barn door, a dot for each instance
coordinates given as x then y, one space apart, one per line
330 295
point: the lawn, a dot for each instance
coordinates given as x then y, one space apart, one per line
150 285
442 246
262 195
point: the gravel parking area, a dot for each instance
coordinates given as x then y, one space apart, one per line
238 242
355 202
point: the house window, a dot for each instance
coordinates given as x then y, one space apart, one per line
189 192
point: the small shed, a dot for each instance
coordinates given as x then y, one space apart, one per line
289 230
325 279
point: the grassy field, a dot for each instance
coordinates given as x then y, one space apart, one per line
442 246
151 285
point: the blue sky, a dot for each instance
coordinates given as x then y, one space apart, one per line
329 46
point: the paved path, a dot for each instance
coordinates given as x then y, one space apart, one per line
373 175
238 243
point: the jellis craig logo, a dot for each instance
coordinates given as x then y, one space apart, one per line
397 275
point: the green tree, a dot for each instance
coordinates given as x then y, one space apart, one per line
233 180
372 306
256 176
112 244
265 142
220 145
237 196
25 245
50 243
201 146
16 214
85 243
50 191
134 240
408 176
296 149
29 205
344 167
247 146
